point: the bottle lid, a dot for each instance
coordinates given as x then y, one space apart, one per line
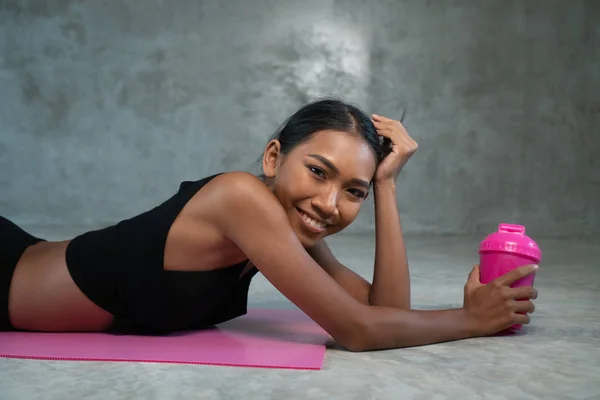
511 238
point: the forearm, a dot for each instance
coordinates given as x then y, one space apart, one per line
389 328
391 278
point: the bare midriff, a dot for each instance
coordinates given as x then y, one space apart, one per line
44 297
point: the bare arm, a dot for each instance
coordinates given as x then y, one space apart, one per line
251 216
391 279
358 287
248 213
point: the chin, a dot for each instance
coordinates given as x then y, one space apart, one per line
307 235
307 240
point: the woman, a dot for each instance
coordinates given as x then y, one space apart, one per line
188 263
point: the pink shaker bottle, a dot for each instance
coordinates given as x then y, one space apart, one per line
505 250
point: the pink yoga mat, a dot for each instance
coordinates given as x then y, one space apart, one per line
262 338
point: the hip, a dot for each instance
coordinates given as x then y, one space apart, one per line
44 297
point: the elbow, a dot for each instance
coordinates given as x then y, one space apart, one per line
356 347
360 337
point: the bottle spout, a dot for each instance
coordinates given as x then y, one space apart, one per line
511 228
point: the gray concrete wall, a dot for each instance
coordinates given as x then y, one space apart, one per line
106 106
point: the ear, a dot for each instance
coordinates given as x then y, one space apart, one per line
271 158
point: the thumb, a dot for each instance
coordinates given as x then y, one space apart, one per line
474 276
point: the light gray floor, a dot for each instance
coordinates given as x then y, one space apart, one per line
556 357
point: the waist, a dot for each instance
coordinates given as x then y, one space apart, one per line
134 287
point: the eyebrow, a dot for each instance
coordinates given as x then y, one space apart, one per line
335 169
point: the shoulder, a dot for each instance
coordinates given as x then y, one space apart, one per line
238 187
238 180
232 194
243 209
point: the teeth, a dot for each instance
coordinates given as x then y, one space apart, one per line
312 222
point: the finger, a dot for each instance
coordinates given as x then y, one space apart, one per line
387 134
396 125
377 119
516 274
390 131
474 278
522 306
381 118
523 292
395 128
521 319
386 125
382 125
398 137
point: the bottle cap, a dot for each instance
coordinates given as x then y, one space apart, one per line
511 238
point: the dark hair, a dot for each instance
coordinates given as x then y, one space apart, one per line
328 114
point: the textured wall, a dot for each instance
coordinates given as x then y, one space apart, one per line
106 106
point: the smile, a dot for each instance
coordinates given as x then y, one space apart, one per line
311 223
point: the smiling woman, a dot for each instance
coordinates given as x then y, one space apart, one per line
320 165
328 197
188 263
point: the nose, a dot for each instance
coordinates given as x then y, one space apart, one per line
326 204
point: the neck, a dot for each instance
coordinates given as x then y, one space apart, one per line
267 181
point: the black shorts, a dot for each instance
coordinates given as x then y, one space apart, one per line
13 242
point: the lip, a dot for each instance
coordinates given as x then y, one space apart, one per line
309 226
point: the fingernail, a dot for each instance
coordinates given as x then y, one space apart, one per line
536 267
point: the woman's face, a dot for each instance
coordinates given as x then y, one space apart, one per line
322 182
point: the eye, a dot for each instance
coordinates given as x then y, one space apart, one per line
358 193
317 171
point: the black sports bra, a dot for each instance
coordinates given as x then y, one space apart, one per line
120 268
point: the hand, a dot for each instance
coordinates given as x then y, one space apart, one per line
496 306
402 148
